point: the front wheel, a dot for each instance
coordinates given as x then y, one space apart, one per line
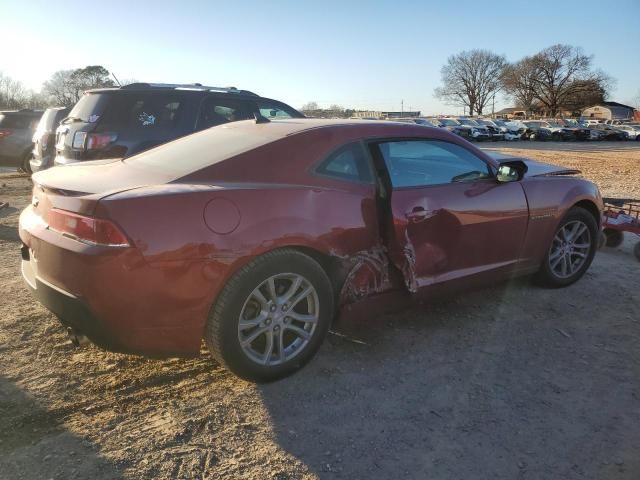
571 251
272 316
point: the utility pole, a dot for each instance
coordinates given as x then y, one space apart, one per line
493 106
402 106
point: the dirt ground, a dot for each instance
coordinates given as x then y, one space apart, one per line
510 382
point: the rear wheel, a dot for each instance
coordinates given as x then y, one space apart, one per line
571 251
25 166
271 317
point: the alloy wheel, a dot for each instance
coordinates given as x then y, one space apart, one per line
278 319
570 249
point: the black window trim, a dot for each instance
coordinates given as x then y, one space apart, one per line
373 143
315 169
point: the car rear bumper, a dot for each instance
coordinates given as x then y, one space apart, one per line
70 310
113 296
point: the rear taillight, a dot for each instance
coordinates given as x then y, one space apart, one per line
92 141
100 140
5 132
98 231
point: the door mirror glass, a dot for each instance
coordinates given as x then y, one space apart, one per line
511 171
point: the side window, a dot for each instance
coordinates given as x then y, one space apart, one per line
271 111
416 163
216 111
348 163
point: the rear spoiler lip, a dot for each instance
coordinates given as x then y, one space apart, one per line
83 203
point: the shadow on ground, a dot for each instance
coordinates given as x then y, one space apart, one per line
35 445
469 389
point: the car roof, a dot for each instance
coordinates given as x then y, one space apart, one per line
164 87
22 112
280 128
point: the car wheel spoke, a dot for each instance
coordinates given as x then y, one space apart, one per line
254 335
303 294
313 318
299 331
253 322
293 288
271 288
268 349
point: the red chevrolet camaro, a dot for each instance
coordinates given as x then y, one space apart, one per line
255 235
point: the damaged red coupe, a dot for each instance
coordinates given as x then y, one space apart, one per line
255 235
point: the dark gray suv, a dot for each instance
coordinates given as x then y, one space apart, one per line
44 138
16 133
120 122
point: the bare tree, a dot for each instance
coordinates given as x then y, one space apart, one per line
61 89
561 72
471 79
309 106
14 95
518 82
65 87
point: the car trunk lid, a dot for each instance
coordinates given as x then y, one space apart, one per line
78 187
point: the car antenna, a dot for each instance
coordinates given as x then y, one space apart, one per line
260 118
116 79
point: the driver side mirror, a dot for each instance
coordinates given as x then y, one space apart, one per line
512 171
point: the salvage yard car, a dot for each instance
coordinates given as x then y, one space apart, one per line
254 235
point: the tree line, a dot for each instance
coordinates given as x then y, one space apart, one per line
63 89
556 79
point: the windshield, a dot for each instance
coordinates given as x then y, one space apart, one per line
466 121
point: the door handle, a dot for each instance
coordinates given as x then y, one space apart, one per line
418 214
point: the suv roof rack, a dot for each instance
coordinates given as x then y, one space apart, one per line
186 86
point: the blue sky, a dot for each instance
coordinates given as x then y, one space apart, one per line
354 53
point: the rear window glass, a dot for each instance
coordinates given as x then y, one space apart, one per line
89 105
200 150
18 121
141 111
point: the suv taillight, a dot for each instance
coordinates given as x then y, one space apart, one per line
5 132
97 231
100 140
92 141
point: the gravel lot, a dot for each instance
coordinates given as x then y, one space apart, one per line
510 382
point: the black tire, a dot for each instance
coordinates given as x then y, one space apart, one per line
546 276
25 166
636 250
602 240
614 237
221 332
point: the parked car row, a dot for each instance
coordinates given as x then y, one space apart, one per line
482 129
